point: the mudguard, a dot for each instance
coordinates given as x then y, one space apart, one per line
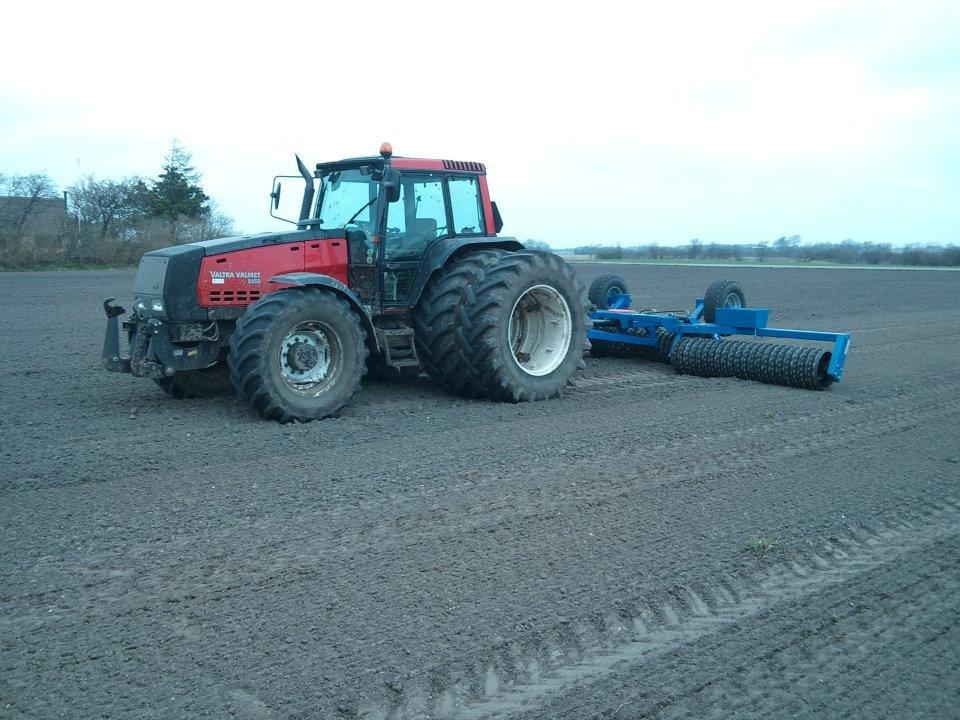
440 252
308 279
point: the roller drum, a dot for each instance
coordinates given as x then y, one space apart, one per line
771 363
660 353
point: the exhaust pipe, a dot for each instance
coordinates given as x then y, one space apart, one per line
308 192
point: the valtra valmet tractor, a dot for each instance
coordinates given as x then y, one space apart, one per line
395 266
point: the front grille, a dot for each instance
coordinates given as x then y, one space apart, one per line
233 297
464 165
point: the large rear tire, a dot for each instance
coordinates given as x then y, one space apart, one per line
521 327
435 318
298 354
213 381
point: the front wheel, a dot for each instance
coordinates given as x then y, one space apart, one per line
298 354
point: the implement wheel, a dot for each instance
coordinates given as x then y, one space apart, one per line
521 327
722 293
298 354
604 289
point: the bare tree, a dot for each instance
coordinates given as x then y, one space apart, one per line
105 205
21 201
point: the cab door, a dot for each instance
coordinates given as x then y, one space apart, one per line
415 222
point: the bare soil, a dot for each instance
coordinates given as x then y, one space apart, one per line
423 556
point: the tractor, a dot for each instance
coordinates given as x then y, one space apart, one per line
395 266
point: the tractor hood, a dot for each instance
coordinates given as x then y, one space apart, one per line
245 242
166 281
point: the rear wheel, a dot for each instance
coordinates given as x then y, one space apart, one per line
207 382
521 328
298 355
604 289
722 293
435 318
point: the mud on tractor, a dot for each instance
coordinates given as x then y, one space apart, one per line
395 266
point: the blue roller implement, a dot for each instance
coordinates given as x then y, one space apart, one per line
694 347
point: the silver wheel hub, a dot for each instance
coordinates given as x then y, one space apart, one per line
732 301
540 330
307 357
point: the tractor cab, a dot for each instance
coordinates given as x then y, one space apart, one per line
393 212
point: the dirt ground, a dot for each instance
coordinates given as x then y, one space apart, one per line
429 557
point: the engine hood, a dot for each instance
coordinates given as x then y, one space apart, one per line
244 242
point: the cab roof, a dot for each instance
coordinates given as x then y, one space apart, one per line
404 163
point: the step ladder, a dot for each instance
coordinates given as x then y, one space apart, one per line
399 349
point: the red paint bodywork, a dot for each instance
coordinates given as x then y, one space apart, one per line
243 276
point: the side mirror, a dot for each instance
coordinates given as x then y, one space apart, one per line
288 206
391 183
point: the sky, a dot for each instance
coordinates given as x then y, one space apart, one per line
599 122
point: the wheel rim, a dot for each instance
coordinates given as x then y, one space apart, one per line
540 329
612 294
732 301
310 358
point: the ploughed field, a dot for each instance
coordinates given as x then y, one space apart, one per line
426 556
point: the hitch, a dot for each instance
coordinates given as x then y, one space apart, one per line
112 361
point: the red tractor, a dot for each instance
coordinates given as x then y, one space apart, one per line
395 267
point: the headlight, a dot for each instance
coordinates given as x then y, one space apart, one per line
148 306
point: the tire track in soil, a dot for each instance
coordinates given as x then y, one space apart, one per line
243 464
148 535
620 379
880 643
575 654
759 446
615 377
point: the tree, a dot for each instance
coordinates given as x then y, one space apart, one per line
696 247
761 250
784 243
176 193
535 245
22 201
105 205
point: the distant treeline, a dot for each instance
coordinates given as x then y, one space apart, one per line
789 249
104 222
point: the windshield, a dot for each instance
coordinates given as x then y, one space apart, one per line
345 194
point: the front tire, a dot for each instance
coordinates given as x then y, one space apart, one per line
521 327
298 355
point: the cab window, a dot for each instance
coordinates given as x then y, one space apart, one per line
417 219
466 206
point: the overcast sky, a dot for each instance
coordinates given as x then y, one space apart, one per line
599 122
